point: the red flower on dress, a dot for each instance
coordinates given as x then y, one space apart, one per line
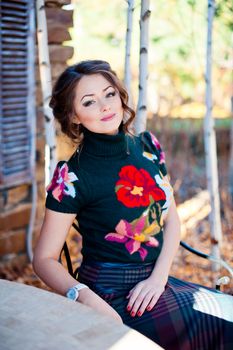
136 186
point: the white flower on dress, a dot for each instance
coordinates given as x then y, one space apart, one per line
149 156
166 187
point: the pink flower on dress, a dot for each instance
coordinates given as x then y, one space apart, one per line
133 235
61 183
157 145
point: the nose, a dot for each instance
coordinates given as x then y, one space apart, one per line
104 107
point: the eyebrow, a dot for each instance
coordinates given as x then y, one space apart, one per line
94 94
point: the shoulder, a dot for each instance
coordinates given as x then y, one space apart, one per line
150 141
152 149
68 169
67 177
149 138
64 177
67 191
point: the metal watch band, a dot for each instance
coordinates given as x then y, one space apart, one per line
73 292
80 286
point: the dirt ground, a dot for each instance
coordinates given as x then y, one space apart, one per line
188 178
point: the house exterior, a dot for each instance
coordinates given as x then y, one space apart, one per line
22 134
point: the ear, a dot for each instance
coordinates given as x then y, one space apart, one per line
76 120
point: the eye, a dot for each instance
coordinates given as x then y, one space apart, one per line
111 94
88 103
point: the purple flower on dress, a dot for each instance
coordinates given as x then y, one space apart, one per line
134 234
61 183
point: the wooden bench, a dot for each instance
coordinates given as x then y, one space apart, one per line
32 318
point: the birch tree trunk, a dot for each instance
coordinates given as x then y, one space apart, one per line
140 121
231 157
128 40
210 146
46 86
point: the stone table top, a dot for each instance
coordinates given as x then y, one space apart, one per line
32 318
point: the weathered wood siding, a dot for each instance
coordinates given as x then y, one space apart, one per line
17 115
15 203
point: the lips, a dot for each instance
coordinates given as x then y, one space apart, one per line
108 117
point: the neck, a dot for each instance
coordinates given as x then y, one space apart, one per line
104 145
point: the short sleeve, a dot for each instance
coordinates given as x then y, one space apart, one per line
63 192
153 146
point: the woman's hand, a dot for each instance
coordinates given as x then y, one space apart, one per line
89 298
144 296
146 293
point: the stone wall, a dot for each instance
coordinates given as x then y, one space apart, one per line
15 205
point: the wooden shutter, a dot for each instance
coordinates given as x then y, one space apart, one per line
17 100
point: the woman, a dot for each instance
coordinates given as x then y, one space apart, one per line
116 185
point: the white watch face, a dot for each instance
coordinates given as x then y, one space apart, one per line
72 294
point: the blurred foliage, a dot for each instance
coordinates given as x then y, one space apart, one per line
176 53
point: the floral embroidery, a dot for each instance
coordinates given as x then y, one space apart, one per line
157 145
135 233
136 187
165 185
61 183
149 156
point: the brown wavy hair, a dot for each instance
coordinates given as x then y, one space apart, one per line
63 95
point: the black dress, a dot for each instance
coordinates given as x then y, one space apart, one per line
116 186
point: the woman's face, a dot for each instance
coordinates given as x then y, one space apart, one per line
98 105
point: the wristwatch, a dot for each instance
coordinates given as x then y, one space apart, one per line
73 293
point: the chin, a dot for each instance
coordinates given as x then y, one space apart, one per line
111 129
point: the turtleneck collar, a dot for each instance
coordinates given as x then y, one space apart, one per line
103 145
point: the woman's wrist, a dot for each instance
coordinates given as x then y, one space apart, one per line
84 294
160 274
159 279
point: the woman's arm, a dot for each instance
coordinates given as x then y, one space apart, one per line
146 293
170 245
46 265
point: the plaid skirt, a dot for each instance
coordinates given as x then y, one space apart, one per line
187 315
